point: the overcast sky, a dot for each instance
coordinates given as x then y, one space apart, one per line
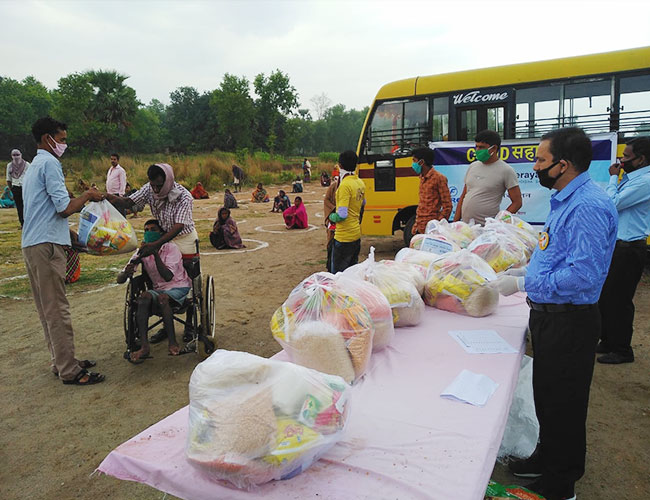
345 49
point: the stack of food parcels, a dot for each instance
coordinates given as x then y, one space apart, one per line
398 287
253 420
323 326
104 231
459 232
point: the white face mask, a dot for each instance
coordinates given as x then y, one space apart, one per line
58 147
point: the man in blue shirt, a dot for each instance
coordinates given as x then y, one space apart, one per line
563 282
45 232
632 200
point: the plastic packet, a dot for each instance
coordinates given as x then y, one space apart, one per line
496 491
417 257
434 243
508 218
460 282
460 232
415 273
253 420
104 231
528 239
500 248
324 328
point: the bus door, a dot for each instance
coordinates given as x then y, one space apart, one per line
470 121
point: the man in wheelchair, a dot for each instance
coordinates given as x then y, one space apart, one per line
170 286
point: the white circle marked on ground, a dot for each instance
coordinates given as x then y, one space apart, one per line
260 245
12 278
286 231
318 214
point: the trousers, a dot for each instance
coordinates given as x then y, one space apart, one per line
17 191
344 255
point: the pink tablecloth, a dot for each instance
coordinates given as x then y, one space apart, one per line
403 440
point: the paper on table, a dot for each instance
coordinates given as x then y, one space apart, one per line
472 388
482 342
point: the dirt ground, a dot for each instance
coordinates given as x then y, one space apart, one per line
55 436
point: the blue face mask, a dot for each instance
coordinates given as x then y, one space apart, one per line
151 236
417 167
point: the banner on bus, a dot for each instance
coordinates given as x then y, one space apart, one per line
453 158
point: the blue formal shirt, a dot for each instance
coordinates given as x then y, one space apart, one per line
582 233
632 201
44 196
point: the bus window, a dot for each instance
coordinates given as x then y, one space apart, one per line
416 120
634 115
587 105
468 124
382 136
441 119
495 120
537 110
398 127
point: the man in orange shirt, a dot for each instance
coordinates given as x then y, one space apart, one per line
435 200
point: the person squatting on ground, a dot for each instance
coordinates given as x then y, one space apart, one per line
16 170
45 233
631 198
259 194
281 202
563 282
295 217
224 231
350 200
296 186
199 192
170 281
434 198
229 200
486 181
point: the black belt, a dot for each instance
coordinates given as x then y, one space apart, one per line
556 308
631 244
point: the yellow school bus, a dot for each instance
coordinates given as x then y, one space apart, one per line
607 92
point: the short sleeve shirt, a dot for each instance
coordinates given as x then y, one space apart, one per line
168 213
486 185
351 193
173 259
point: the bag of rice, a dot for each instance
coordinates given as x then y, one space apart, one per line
460 282
253 420
460 232
324 328
499 248
104 231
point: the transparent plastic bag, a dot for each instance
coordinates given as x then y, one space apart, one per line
511 229
323 328
460 232
460 282
500 248
434 243
104 231
508 218
417 257
253 420
413 272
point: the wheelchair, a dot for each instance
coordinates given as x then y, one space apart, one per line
199 302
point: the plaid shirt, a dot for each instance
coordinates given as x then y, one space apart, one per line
177 212
435 200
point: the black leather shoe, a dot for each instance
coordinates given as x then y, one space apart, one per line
602 348
539 487
530 467
615 358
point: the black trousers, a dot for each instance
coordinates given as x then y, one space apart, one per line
616 302
564 347
344 255
17 191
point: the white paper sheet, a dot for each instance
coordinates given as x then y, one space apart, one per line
482 342
470 387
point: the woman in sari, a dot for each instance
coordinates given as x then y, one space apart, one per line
281 202
7 198
224 232
229 200
199 192
259 195
295 217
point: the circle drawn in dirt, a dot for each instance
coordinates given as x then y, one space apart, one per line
318 214
286 231
260 245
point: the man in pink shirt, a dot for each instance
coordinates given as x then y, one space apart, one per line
171 284
116 179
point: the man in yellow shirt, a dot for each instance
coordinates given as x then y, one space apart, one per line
350 200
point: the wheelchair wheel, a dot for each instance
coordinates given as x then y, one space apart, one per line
207 343
130 323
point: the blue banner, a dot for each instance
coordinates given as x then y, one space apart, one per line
453 158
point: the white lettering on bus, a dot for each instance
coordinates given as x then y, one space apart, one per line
475 96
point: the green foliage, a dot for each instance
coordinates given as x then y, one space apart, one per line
327 156
242 156
233 108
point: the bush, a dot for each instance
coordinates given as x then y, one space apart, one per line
328 157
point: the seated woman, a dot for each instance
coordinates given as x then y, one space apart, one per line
7 198
281 202
229 200
224 232
259 195
297 185
296 217
324 179
199 193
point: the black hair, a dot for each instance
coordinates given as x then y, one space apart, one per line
488 137
46 125
154 171
154 221
641 147
298 198
425 154
570 144
348 160
115 155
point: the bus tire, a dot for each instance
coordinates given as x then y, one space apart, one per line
408 230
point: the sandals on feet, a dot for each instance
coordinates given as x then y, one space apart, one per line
84 363
93 378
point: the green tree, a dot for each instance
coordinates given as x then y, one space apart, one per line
189 121
233 107
276 100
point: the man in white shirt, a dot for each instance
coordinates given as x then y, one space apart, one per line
15 173
116 179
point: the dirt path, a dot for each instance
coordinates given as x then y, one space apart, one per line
55 435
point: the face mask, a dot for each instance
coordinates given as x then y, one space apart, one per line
627 165
483 155
58 147
151 236
546 180
417 167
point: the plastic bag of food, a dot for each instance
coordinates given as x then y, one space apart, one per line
405 301
416 257
460 232
104 231
415 273
460 282
508 218
528 239
434 243
253 420
497 491
500 248
324 328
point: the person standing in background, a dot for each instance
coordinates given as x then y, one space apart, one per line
237 177
434 200
116 179
15 174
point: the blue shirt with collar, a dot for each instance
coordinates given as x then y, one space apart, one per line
44 196
632 201
581 231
